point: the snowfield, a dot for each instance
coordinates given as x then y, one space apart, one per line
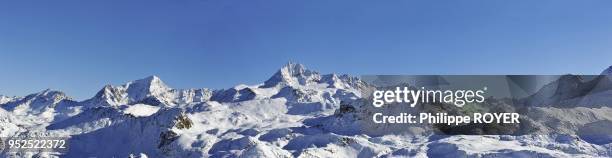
141 110
296 113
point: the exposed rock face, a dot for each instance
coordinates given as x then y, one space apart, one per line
234 95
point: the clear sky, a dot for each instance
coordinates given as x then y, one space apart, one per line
79 46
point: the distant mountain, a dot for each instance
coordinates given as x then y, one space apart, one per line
295 75
151 90
574 90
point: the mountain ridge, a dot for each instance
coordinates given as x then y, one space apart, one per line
297 112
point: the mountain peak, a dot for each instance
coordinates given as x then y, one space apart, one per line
48 93
46 97
150 81
151 84
293 68
292 73
134 91
143 88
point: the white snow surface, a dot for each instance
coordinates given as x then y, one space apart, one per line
296 113
141 110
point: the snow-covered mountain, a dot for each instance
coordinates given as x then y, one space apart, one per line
573 90
5 99
296 113
150 90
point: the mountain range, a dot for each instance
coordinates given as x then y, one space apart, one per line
297 112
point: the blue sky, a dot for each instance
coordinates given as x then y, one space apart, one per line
78 47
